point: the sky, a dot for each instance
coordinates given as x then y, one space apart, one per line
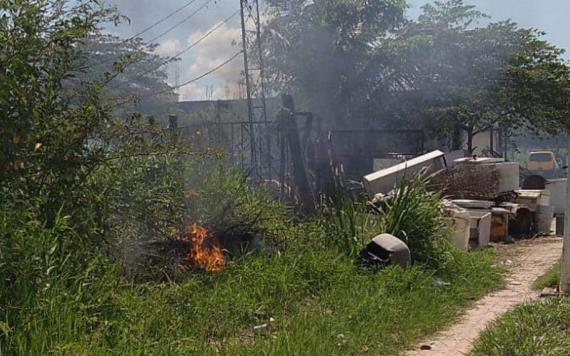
549 16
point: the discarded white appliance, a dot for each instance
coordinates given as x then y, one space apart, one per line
480 227
461 224
557 189
480 220
532 199
385 180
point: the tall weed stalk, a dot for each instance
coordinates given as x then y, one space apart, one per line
413 214
351 224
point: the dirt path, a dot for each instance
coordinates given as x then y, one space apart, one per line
526 261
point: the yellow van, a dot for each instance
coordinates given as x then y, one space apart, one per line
542 161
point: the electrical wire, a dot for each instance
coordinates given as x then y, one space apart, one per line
180 22
112 59
161 20
203 75
206 35
185 50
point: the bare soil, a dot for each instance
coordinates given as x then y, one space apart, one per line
525 262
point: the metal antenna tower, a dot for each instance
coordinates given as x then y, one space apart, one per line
255 85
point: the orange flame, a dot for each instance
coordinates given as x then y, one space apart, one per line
210 259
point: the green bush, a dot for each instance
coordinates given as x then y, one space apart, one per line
40 267
413 215
350 224
220 196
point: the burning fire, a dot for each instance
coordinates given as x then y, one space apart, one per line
205 253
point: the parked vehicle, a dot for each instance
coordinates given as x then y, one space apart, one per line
544 163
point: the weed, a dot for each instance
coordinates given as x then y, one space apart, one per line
307 302
550 279
413 214
351 224
539 328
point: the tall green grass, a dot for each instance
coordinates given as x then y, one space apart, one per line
319 301
550 279
63 295
540 328
351 224
412 213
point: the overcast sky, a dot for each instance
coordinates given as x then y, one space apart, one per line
549 16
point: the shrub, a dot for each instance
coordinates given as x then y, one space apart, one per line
413 214
350 224
39 266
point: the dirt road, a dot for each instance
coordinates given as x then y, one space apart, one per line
525 261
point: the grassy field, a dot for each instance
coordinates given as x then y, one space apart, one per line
550 279
305 294
540 328
307 300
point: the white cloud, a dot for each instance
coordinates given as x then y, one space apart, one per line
207 55
169 48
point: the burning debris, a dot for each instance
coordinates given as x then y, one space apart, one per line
205 252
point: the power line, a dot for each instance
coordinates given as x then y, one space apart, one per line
192 45
162 20
207 34
126 40
180 22
215 69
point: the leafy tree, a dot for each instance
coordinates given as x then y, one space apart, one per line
138 75
44 130
461 75
56 114
450 70
319 51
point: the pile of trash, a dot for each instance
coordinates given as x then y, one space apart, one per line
484 200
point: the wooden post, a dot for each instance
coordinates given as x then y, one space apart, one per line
289 122
172 122
173 127
565 272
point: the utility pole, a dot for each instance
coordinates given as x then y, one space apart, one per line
565 273
256 86
250 114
